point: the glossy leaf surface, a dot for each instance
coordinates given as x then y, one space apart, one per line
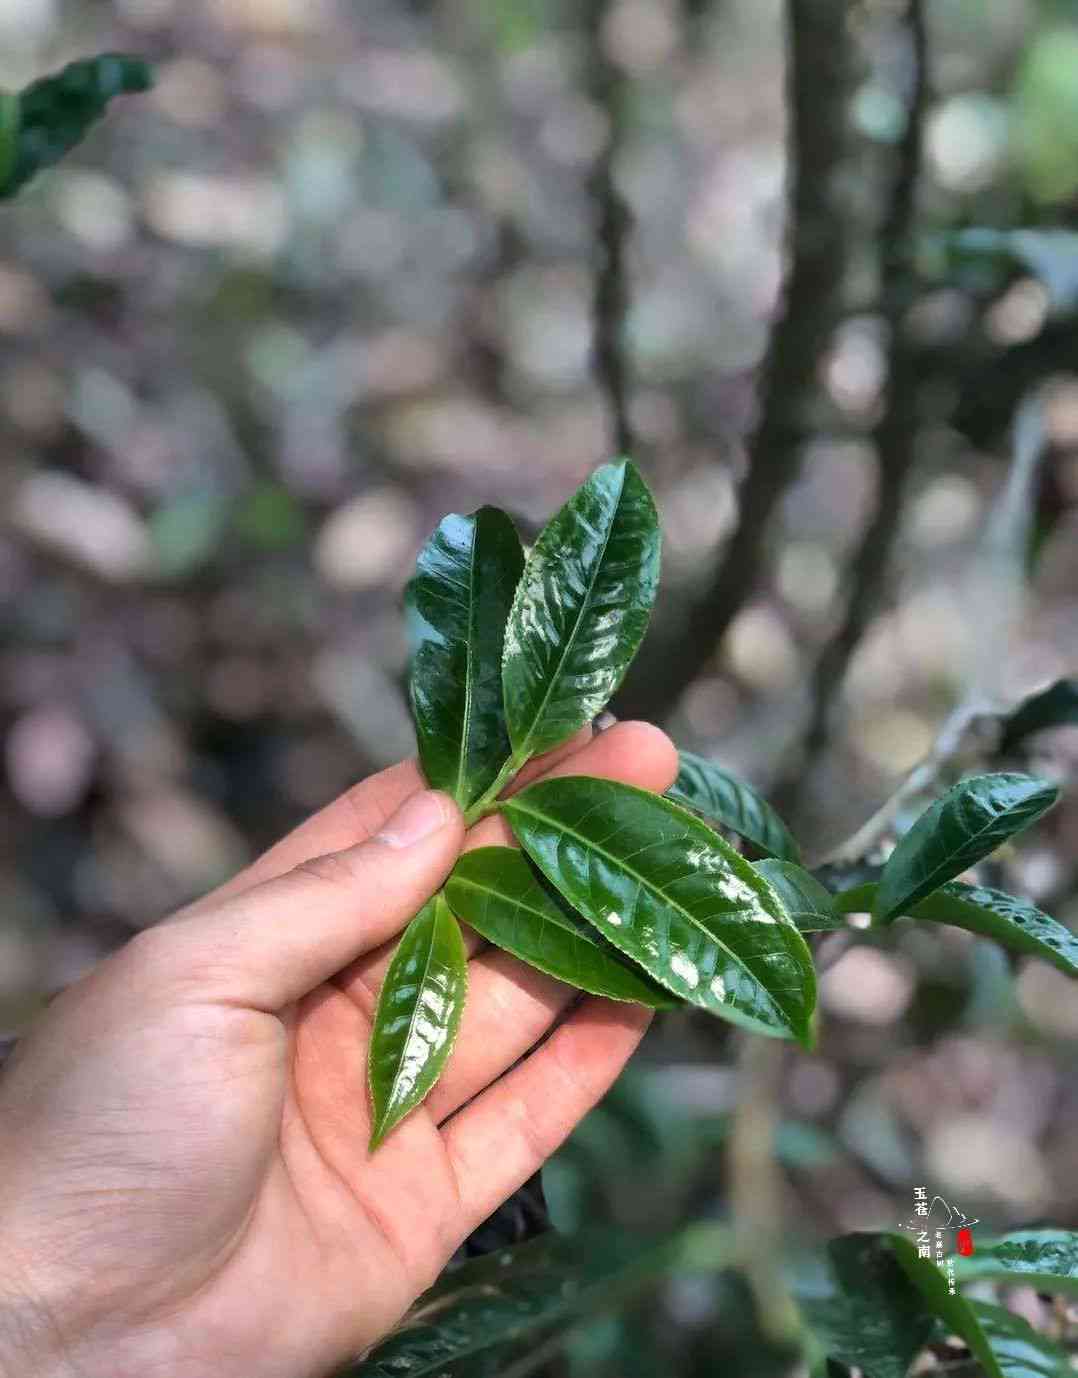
1044 1259
418 1015
1012 922
497 892
875 1320
1053 707
967 823
730 802
56 112
497 1310
1003 1344
581 609
671 894
457 606
807 902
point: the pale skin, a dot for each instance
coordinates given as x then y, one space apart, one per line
185 1185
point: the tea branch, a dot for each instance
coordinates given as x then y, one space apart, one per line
611 298
895 433
817 71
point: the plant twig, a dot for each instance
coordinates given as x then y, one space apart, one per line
896 432
611 300
817 89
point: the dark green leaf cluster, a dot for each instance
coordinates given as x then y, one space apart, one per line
617 891
878 1306
886 1301
495 1313
49 117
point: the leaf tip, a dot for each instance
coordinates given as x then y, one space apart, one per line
383 1125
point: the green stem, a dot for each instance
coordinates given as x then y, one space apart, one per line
486 801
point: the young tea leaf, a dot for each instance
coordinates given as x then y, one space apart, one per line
967 823
724 799
807 902
418 1015
1003 1344
495 890
1044 1259
1011 922
581 609
56 112
671 894
876 1320
457 605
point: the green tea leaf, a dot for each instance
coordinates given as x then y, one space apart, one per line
859 899
1053 707
496 891
457 605
876 1320
730 802
1013 922
671 894
1003 1344
1010 921
1044 1259
806 901
418 1015
581 609
56 112
967 823
496 1311
1018 1349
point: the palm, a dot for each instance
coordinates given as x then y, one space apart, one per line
320 1224
272 1241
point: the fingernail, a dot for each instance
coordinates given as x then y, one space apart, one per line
417 818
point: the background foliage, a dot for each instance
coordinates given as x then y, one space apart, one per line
347 268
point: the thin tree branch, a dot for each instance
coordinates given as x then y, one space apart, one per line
613 220
817 85
896 432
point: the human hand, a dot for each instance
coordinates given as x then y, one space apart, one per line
185 1187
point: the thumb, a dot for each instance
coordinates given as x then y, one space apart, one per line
272 944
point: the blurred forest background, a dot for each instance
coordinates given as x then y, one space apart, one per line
351 266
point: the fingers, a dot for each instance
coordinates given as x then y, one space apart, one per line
356 814
497 1142
634 752
276 941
